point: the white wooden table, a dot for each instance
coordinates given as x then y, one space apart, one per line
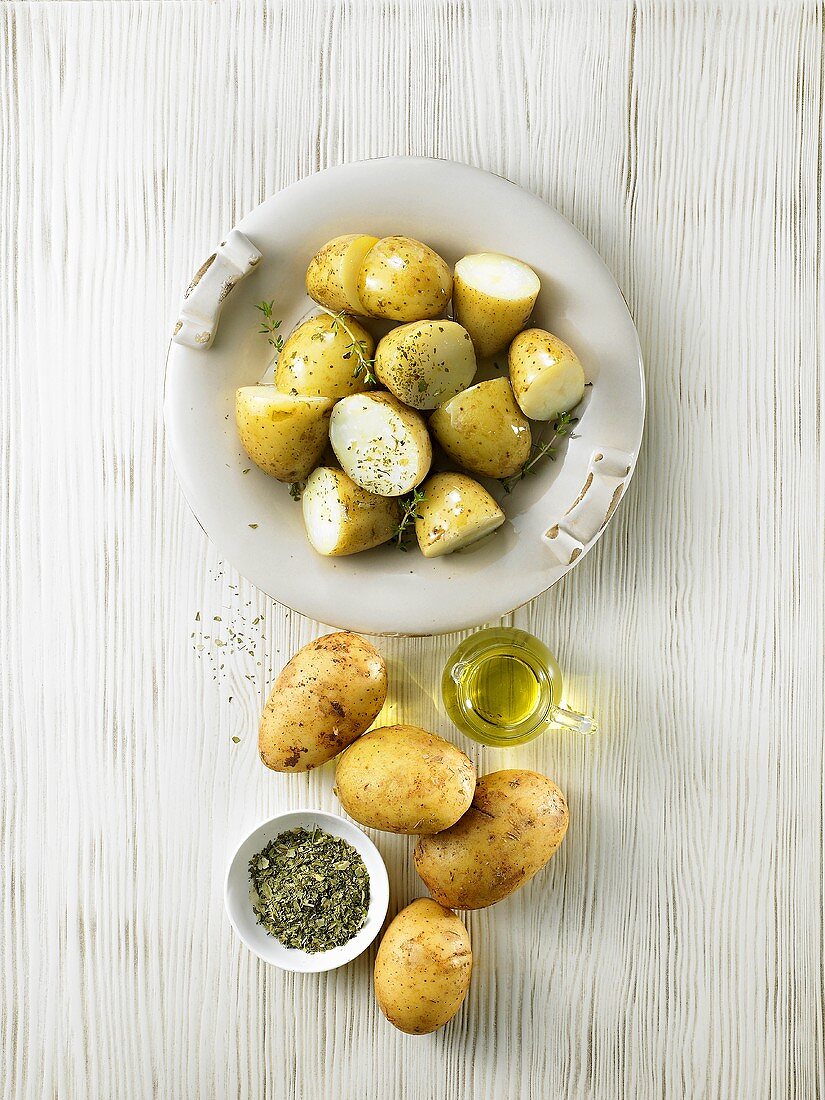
674 947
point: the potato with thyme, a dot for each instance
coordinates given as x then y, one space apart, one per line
332 275
425 362
323 357
402 279
455 512
381 444
326 696
483 429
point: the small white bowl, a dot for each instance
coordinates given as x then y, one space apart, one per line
242 915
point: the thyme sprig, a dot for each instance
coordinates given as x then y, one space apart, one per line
270 324
562 426
357 348
409 514
296 488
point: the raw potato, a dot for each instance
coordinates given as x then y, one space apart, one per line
516 823
404 780
423 968
455 512
547 377
426 362
404 280
493 297
317 358
381 444
332 275
329 694
342 518
283 434
483 430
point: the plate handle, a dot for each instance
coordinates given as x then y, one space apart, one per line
608 473
203 300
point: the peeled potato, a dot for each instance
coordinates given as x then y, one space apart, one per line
381 444
425 362
317 358
547 377
493 297
404 280
483 430
423 967
332 275
455 512
282 433
342 518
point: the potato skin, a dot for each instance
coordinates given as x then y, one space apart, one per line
365 520
312 359
426 362
404 280
283 434
484 430
547 376
403 779
326 696
491 321
455 512
423 967
332 275
516 823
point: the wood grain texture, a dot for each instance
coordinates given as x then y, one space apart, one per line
674 947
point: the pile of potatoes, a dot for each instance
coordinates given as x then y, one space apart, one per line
378 409
479 838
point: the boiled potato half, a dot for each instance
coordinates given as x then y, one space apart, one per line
381 444
493 297
329 694
404 280
405 780
342 518
317 359
423 967
455 512
426 362
547 377
332 275
483 430
516 823
282 433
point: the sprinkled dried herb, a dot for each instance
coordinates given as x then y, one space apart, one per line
309 890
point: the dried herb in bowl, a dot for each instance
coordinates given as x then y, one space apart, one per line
310 890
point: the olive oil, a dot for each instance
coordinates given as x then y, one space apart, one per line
502 686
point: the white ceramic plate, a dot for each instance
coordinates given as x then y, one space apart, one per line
553 517
242 916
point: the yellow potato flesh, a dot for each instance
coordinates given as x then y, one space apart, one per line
317 359
493 297
423 968
283 434
342 518
404 280
332 275
546 374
